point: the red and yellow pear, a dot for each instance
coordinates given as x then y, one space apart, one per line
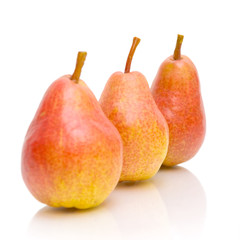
128 103
72 154
176 90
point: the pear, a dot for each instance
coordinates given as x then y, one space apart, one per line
176 90
127 102
72 154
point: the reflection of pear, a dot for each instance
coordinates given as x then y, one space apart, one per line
51 223
185 201
140 211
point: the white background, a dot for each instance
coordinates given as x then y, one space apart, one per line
39 43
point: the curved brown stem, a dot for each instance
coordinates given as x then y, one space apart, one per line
135 43
177 52
80 61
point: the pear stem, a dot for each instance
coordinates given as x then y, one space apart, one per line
177 52
80 61
135 43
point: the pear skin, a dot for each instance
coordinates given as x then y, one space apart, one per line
176 90
127 102
72 154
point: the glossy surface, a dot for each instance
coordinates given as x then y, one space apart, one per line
72 154
127 102
176 91
171 205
